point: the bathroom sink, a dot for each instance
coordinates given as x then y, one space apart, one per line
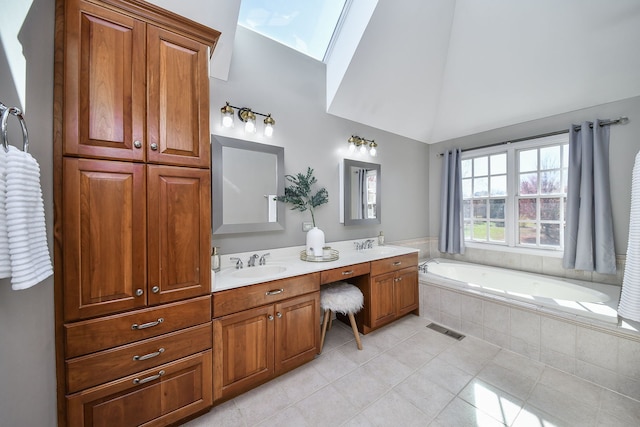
378 250
259 271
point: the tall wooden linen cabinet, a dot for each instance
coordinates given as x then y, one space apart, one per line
132 214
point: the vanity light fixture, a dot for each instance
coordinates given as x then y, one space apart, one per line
362 144
248 117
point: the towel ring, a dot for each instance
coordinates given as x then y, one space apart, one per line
3 127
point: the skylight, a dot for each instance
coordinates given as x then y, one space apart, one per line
306 26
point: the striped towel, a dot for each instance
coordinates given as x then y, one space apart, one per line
5 263
28 250
629 306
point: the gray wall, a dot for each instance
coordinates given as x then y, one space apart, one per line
27 360
624 146
271 78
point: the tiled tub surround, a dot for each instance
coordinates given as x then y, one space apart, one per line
604 353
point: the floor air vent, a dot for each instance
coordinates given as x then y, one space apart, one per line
445 331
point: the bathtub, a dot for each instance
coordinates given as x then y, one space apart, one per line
533 291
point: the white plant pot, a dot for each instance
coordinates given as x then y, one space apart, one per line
315 242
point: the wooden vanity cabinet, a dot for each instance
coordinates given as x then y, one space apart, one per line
254 343
154 397
392 290
132 213
134 235
134 90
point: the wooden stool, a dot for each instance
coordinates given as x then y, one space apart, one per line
340 297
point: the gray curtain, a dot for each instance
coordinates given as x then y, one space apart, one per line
588 240
451 233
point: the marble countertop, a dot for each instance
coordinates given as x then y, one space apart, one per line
286 262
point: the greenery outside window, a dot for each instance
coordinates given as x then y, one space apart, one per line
516 197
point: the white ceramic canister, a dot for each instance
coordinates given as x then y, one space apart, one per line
315 242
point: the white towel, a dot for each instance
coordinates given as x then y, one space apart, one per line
629 306
24 210
5 263
272 208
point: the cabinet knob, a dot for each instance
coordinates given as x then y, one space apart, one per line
155 289
154 146
137 144
139 292
270 317
279 315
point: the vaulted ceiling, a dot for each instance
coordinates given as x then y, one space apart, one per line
439 69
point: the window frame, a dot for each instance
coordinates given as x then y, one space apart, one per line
511 220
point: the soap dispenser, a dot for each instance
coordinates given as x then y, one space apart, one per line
215 259
381 239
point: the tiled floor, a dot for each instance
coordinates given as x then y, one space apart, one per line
408 375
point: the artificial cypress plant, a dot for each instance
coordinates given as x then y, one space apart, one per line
299 193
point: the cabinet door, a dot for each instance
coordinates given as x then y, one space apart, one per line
155 397
104 92
179 228
243 351
104 235
178 84
297 332
382 306
406 291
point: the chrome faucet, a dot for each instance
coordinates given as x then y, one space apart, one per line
424 266
252 260
365 244
238 262
263 261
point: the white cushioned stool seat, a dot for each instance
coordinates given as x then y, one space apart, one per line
344 298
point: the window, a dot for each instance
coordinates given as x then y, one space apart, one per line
306 26
516 196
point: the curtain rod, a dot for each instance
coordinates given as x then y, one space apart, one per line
620 120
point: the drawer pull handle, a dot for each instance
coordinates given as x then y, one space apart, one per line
136 327
274 292
347 273
397 263
150 355
139 381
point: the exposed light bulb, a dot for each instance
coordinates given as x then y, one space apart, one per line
268 126
363 148
352 147
268 130
250 126
373 151
227 116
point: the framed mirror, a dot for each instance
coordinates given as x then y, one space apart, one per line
246 177
362 182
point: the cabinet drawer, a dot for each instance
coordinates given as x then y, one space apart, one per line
344 273
111 331
235 300
87 371
399 262
155 397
